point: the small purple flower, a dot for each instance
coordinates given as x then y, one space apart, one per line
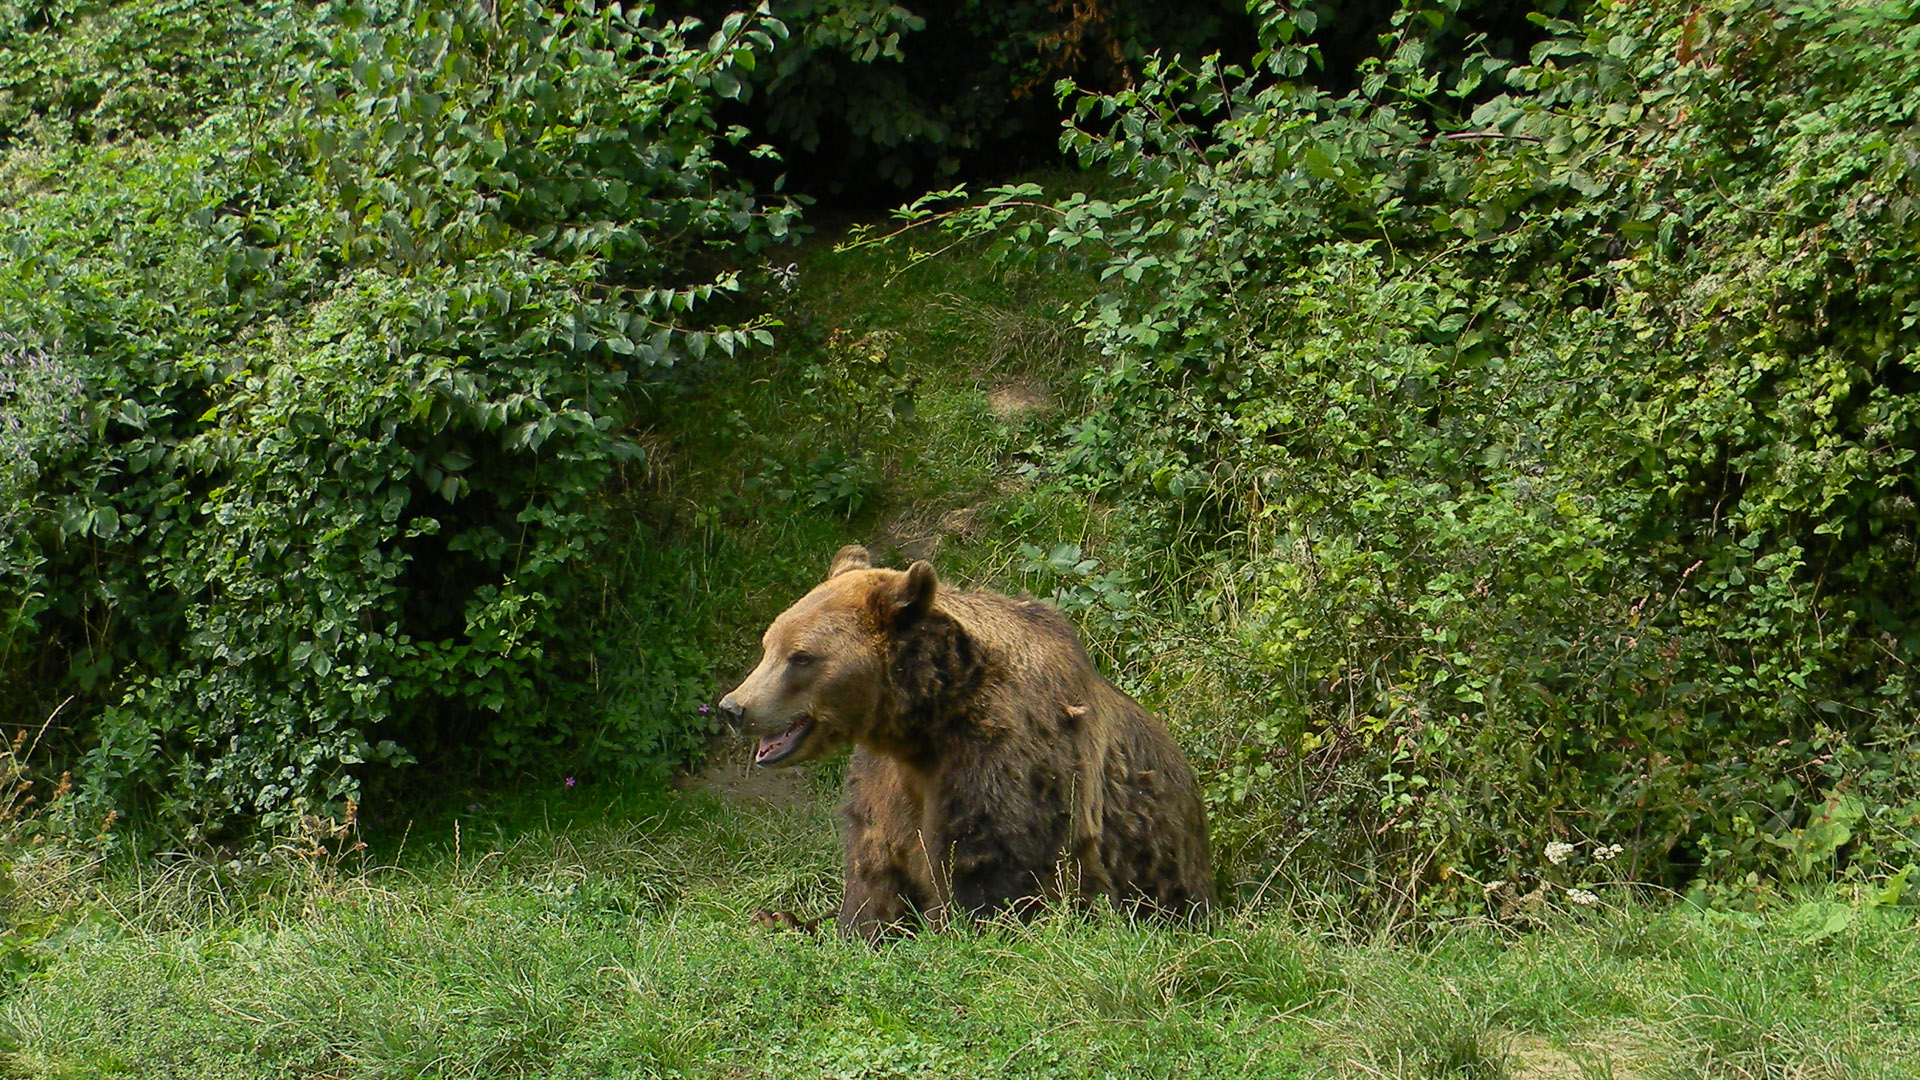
569 781
704 710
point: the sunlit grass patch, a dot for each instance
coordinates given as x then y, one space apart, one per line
578 937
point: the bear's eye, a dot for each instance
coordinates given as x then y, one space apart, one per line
800 659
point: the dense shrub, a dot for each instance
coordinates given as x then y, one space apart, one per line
319 407
1545 434
98 70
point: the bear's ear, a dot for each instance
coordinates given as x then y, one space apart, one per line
916 593
851 557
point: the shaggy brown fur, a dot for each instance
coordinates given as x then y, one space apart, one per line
993 767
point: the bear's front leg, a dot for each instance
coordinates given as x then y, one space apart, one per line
889 876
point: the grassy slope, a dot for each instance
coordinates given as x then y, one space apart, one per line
739 532
598 933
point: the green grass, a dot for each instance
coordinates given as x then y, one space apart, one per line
575 938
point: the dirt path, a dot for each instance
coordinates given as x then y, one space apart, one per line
730 773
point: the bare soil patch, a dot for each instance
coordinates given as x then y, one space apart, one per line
731 774
1013 400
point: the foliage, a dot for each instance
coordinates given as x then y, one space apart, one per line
1492 454
1544 433
336 484
87 70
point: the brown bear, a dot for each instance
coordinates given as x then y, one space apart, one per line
993 767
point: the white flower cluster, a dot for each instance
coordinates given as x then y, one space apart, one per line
1582 897
1559 851
1606 854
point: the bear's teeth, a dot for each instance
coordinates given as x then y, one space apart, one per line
774 747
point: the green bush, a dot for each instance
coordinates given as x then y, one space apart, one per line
324 403
101 70
1544 434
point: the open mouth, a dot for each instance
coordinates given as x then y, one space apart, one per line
777 748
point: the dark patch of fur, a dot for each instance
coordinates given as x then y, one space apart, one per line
936 673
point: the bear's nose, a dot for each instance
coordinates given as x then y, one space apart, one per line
732 710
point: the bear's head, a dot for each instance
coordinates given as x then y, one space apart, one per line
822 678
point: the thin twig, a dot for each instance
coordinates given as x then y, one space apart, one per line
46 723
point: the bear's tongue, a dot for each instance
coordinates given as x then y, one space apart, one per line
774 747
